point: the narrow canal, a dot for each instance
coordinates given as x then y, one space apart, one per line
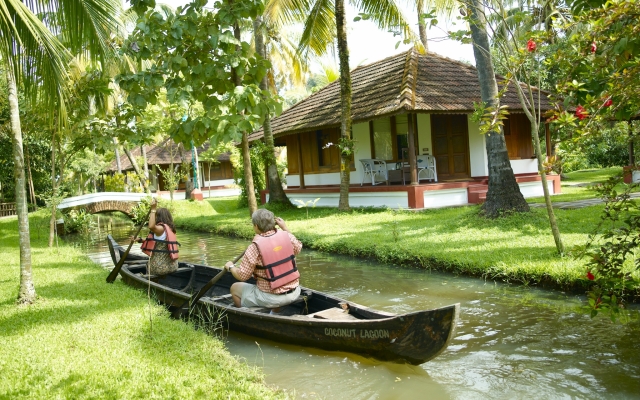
511 343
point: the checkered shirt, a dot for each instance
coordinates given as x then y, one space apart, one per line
252 258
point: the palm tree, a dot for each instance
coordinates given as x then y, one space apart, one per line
325 20
276 192
36 59
504 193
421 9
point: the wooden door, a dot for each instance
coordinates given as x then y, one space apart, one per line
450 142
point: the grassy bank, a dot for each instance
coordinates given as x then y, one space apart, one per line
85 338
519 248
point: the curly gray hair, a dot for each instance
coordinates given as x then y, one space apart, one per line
264 220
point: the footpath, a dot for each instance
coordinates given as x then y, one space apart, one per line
577 203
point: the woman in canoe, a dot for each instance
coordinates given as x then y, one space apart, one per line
271 260
161 245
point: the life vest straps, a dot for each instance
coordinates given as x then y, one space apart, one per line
278 256
149 245
269 267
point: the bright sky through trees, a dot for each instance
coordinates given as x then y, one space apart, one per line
367 44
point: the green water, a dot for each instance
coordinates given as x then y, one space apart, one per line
511 342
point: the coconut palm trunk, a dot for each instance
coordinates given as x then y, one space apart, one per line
246 155
54 191
504 193
345 101
32 192
27 292
422 25
276 192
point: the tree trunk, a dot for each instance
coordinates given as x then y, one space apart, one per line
27 292
422 25
117 153
32 192
276 192
345 101
504 193
246 155
145 164
54 191
248 174
545 188
136 168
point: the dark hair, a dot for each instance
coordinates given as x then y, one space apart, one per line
163 215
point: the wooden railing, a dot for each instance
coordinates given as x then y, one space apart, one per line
7 209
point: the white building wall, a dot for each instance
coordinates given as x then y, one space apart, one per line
534 189
445 198
477 151
524 166
362 150
395 200
424 134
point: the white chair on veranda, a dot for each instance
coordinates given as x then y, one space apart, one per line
373 168
427 167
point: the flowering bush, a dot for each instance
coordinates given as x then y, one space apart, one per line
531 46
611 262
581 113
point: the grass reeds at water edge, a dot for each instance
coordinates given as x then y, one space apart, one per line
84 338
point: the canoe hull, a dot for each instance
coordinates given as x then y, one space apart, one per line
408 338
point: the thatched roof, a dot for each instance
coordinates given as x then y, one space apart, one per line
160 154
407 82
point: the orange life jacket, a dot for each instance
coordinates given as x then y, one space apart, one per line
149 244
278 259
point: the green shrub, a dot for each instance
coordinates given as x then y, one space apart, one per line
77 221
114 183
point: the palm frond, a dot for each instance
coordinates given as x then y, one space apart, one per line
278 13
36 57
87 25
387 15
319 28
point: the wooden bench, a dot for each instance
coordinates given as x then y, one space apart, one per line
334 313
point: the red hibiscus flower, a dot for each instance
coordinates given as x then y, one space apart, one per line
607 103
531 46
581 113
593 47
590 276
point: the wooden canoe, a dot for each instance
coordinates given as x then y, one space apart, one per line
315 319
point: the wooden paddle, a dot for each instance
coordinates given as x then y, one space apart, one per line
114 272
193 300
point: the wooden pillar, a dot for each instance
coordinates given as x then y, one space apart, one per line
300 165
547 139
412 150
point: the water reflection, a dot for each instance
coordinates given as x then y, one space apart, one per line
512 342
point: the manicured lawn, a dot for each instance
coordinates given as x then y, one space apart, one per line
518 248
576 185
84 338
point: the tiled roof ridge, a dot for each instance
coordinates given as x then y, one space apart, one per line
380 61
498 76
451 60
409 81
